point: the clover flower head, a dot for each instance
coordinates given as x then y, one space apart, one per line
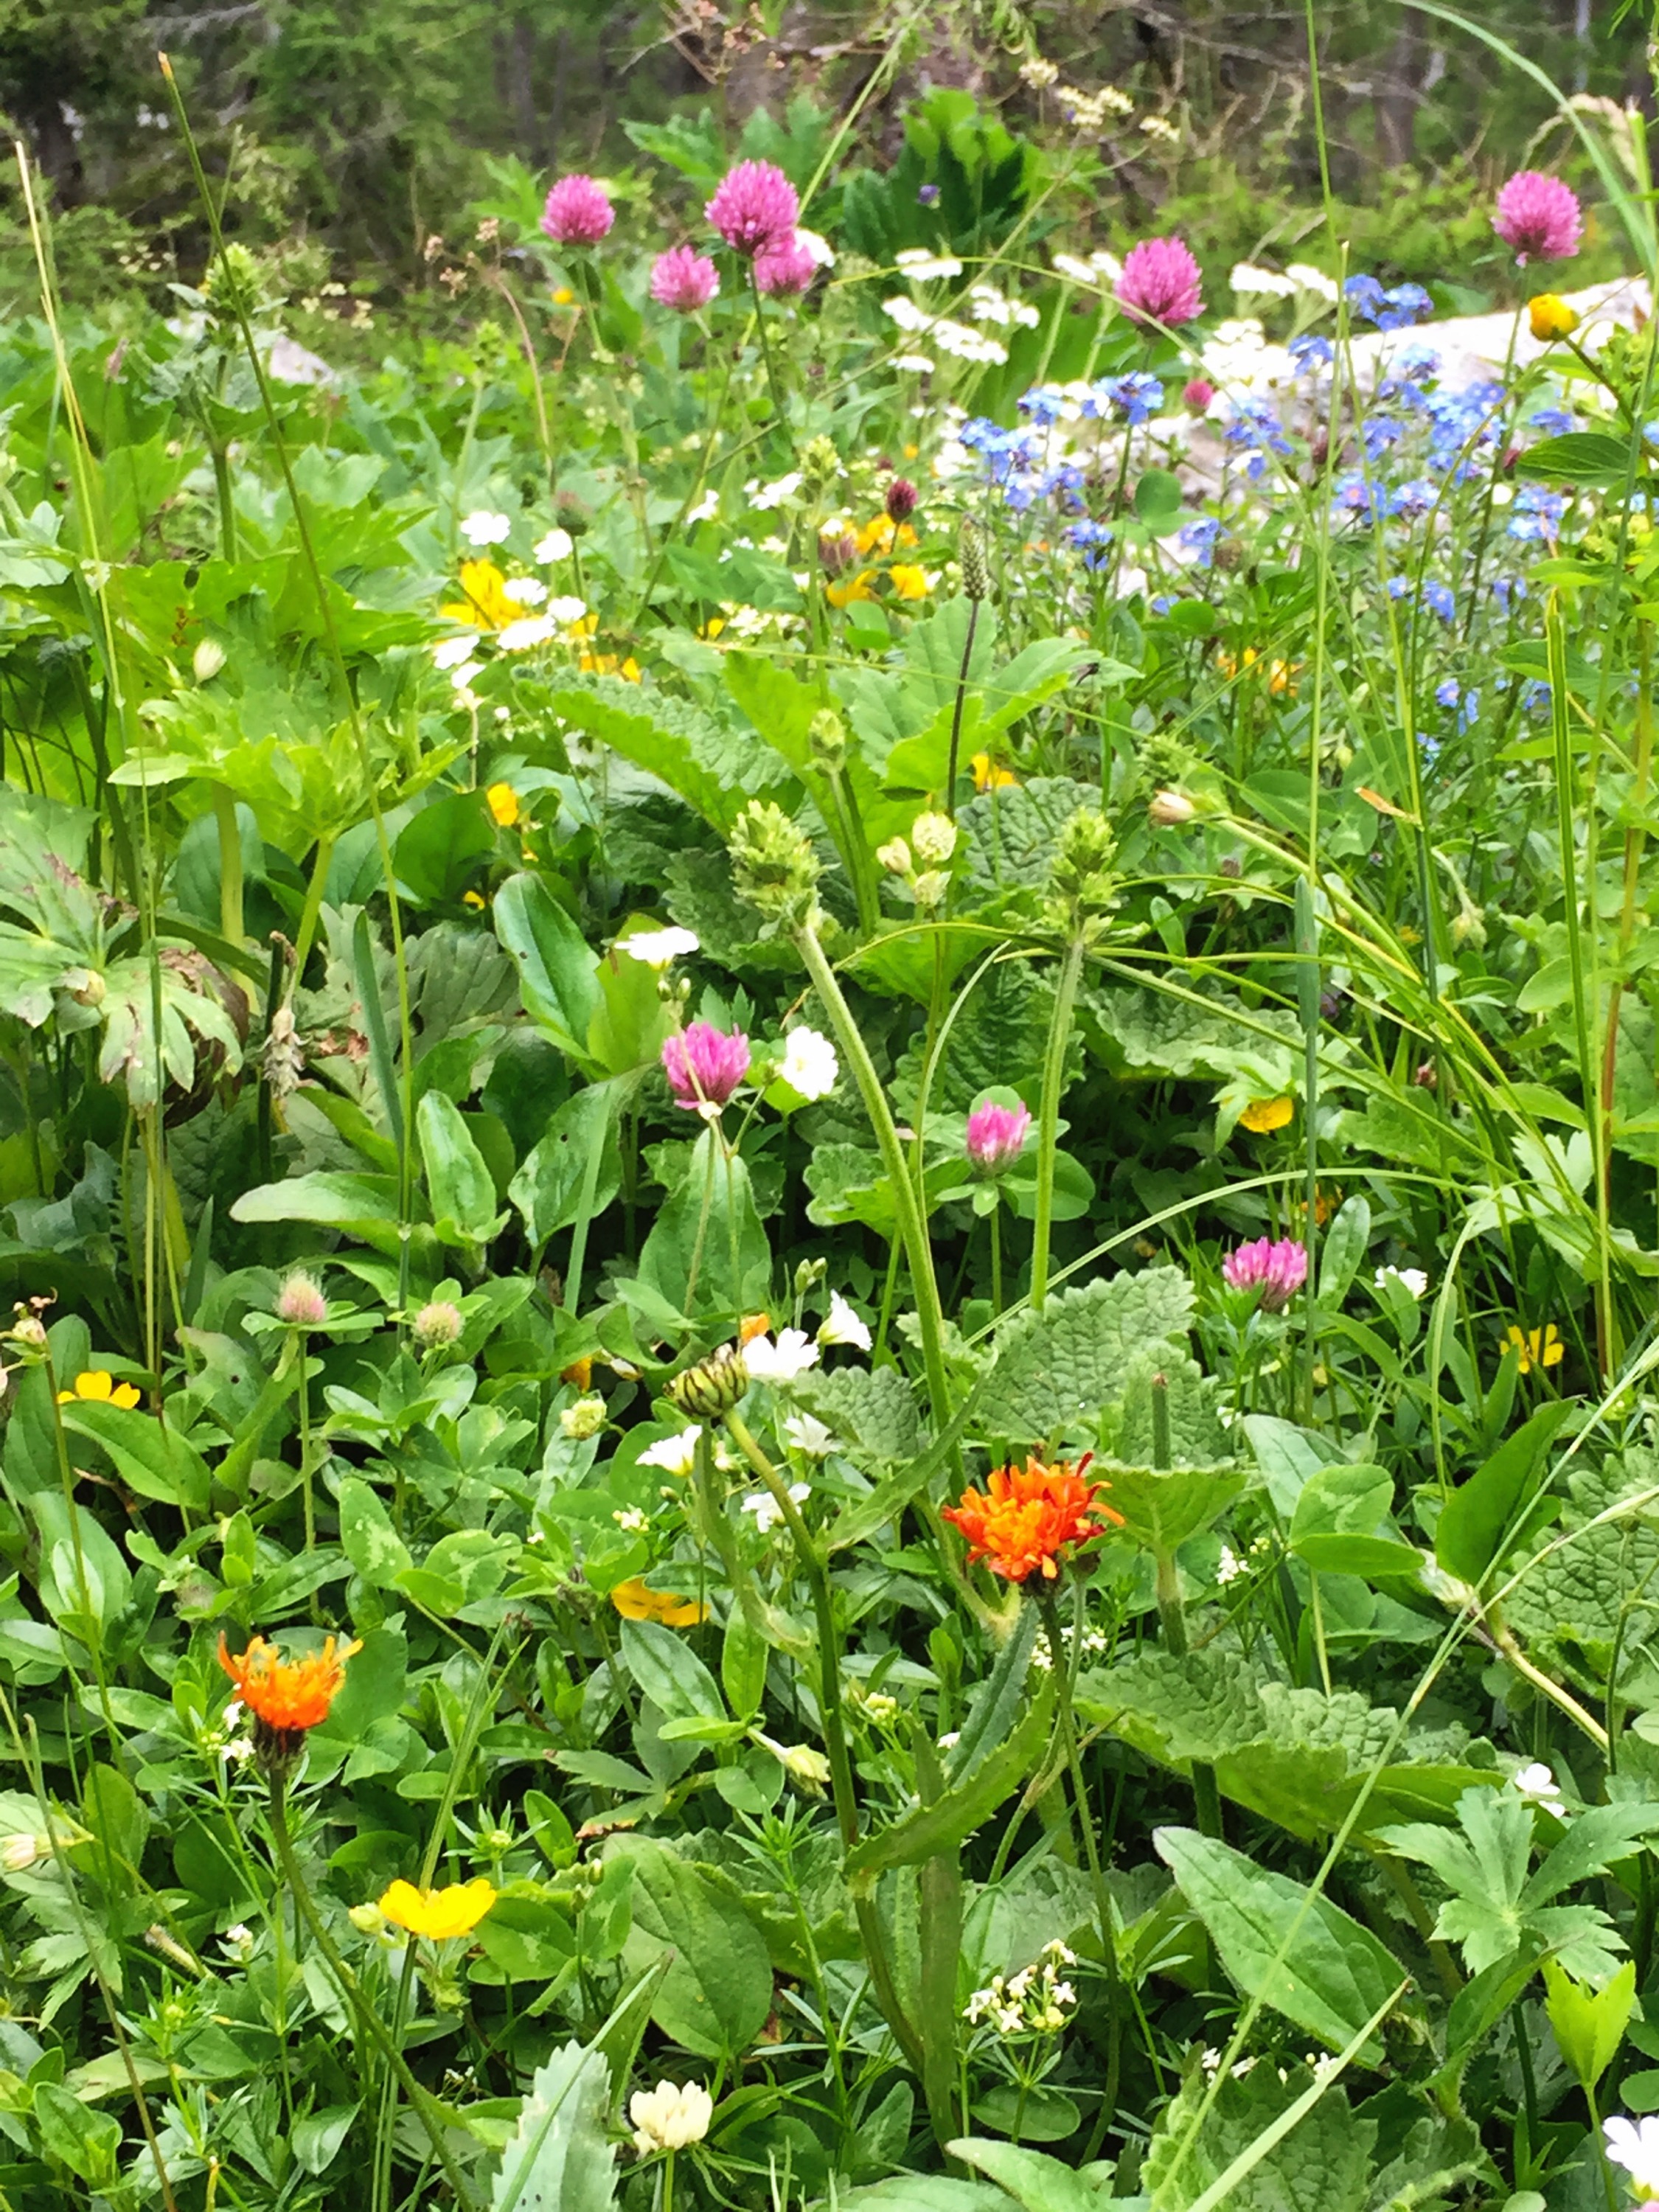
704 1066
669 2117
1277 1270
996 1136
784 267
684 279
1160 282
577 212
1538 218
754 204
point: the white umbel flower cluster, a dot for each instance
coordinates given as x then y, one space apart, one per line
1034 2002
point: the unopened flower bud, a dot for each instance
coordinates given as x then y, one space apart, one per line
583 1419
933 839
901 499
837 553
820 464
712 1387
301 1302
976 573
894 856
809 1272
437 1323
773 866
931 886
809 1767
19 1853
91 990
1171 810
28 1332
207 660
367 1919
826 736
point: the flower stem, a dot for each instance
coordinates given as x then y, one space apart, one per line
1053 1075
956 716
427 2108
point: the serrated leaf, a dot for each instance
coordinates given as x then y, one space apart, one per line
1009 833
874 1409
1055 1371
1324 2165
1160 1508
559 2158
717 1990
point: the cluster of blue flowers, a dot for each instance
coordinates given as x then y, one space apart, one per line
1395 309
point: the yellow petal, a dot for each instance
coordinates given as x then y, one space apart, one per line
95 1383
124 1395
1262 1115
634 1601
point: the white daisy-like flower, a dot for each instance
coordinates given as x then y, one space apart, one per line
1634 2144
809 1063
528 631
524 591
658 948
809 1437
843 1325
565 612
921 265
776 493
676 1454
557 545
766 1509
450 652
1536 1783
483 526
792 1354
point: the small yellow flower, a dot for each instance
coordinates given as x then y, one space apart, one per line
987 776
1539 1347
881 534
579 1372
564 296
712 628
909 582
438 1914
99 1387
486 604
842 593
1551 317
1262 1115
503 804
635 1602
474 901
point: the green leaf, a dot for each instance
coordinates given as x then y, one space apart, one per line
1590 2024
1341 1525
716 1996
1162 1508
366 1535
708 1247
711 767
1037 2183
151 1461
670 1673
461 1188
874 1409
331 1200
548 1189
1323 2164
1342 1248
1578 457
557 970
998 1701
1469 1537
560 2159
1056 1370
955 1813
1333 1974
439 852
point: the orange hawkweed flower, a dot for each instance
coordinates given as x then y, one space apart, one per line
1028 1516
286 1697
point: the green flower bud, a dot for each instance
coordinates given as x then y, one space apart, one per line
1082 885
820 464
826 736
933 839
975 571
712 1387
773 866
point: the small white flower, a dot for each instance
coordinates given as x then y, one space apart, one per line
904 312
674 1454
524 591
1262 283
1409 1278
913 364
967 345
920 265
781 1362
949 1740
566 610
776 493
239 1750
1635 2146
1307 278
485 528
462 676
450 652
237 1943
808 1435
766 1509
822 253
528 631
658 948
809 1064
668 2118
557 546
1537 1783
631 1520
844 1326
706 508
1229 1566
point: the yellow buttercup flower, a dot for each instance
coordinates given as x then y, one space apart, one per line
1262 1115
908 581
635 1602
987 776
1539 1347
845 589
486 604
503 804
474 901
1551 317
881 534
438 1914
1281 674
99 1387
564 296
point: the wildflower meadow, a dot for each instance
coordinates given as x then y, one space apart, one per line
829 1179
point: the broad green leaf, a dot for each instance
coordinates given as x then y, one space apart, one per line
1589 2023
556 967
1343 1247
1333 1974
713 768
924 2192
874 1409
1162 1507
708 1247
1341 1525
717 1991
1469 1537
152 1460
670 1673
560 2158
548 1189
331 1200
1037 2183
439 851
1288 1458
366 1535
1578 457
461 1188
955 1814
1056 1370
1324 2164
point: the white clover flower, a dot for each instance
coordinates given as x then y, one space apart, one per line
524 591
809 1063
921 264
805 1434
529 630
583 1419
658 948
776 493
566 610
674 1454
1409 1278
843 1326
450 652
766 1509
669 2117
557 545
792 1354
1635 2146
822 253
483 526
